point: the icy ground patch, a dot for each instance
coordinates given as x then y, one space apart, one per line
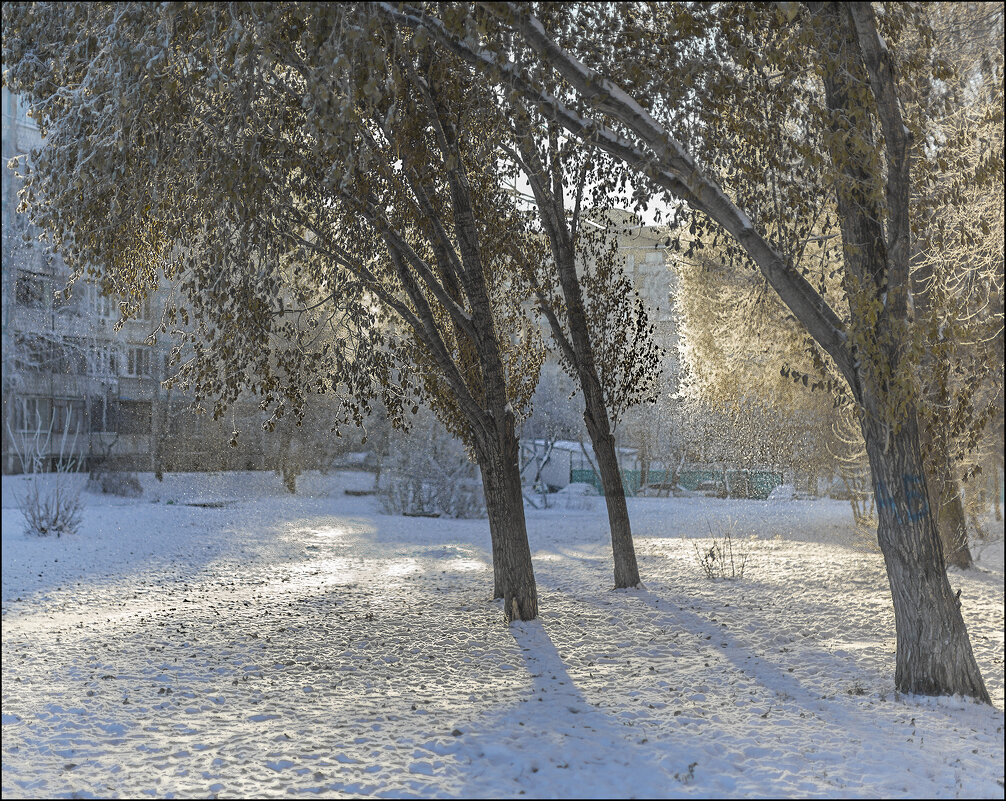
263 644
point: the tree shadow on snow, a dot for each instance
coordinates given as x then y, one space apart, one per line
555 743
815 680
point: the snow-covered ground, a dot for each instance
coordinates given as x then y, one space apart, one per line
266 644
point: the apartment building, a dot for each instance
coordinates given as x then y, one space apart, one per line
72 385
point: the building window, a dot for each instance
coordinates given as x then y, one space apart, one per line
49 417
68 416
102 360
134 417
107 306
97 417
143 313
103 305
138 362
32 414
36 354
76 356
29 289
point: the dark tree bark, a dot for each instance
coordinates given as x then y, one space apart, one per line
575 342
622 550
934 655
995 493
513 573
285 463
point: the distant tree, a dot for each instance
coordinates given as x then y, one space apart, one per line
259 153
745 356
555 414
597 321
427 472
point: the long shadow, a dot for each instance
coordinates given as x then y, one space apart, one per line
845 713
599 757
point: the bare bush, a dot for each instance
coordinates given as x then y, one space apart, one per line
51 504
107 482
428 472
52 509
723 556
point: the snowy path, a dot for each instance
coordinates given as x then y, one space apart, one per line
311 645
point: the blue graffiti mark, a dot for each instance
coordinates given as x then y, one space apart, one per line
915 496
917 506
886 501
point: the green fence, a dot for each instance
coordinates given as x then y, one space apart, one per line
754 484
757 484
630 479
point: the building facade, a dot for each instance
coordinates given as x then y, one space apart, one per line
73 386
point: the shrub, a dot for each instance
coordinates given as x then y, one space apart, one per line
124 485
428 472
723 556
51 505
53 509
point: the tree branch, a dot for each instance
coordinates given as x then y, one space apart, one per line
672 170
898 142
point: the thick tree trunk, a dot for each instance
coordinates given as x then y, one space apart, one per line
952 522
513 574
622 550
934 655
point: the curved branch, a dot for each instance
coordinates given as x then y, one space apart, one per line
671 168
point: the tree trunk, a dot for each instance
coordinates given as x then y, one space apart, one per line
156 431
622 550
996 494
286 466
579 350
951 522
513 574
934 655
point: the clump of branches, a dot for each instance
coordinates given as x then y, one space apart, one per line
429 473
51 510
49 506
723 556
849 452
